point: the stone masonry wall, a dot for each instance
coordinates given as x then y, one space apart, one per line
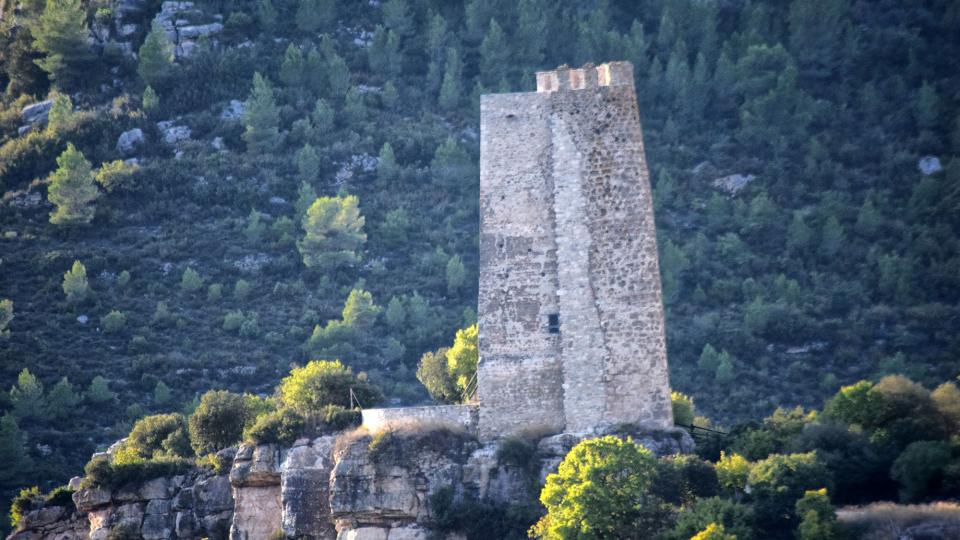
567 229
459 416
519 382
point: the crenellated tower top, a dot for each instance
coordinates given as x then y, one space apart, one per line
586 77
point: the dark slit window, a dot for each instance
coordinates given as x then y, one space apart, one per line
553 323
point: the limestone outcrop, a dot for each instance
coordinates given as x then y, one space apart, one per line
354 485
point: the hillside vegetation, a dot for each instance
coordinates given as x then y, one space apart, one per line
304 185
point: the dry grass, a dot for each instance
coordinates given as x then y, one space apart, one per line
882 521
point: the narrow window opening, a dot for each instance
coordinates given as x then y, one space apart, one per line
553 323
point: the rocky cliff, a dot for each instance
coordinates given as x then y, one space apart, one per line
391 485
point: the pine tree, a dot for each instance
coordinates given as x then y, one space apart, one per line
305 197
637 48
817 33
531 36
6 317
387 169
396 17
390 97
13 455
61 34
456 274
383 55
308 165
360 311
438 39
266 14
927 107
72 189
27 397
261 117
832 238
99 391
61 400
314 15
155 57
451 90
338 74
292 66
75 284
161 394
333 230
354 108
395 314
61 117
494 54
322 117
150 100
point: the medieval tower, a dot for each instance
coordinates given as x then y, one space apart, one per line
570 308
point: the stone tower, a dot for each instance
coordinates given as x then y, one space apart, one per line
570 309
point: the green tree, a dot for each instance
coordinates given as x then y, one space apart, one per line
27 397
160 435
683 409
927 107
338 74
734 517
218 422
530 39
113 322
946 397
310 388
61 34
305 194
456 274
384 55
155 58
162 394
150 99
359 311
777 482
818 519
266 14
322 117
190 281
261 117
397 18
395 314
816 34
99 391
832 239
308 166
600 490
432 372
13 455
451 165
462 359
72 189
75 284
113 174
292 66
494 55
61 117
451 88
387 169
333 230
919 469
6 317
733 470
390 97
314 15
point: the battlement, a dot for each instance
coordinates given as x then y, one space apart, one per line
586 77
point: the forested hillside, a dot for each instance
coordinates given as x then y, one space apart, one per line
221 189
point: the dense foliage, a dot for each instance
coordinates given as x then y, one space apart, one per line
356 153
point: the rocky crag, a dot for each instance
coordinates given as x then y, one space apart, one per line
352 485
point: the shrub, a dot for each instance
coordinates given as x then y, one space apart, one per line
60 496
338 418
233 320
776 483
159 435
123 279
214 292
114 174
218 422
241 289
28 499
309 389
735 517
113 322
102 473
281 427
683 409
190 281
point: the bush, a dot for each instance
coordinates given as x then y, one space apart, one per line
28 499
190 281
101 472
160 435
309 389
113 322
281 427
776 483
218 421
735 517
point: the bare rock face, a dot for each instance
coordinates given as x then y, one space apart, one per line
255 477
56 523
305 489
